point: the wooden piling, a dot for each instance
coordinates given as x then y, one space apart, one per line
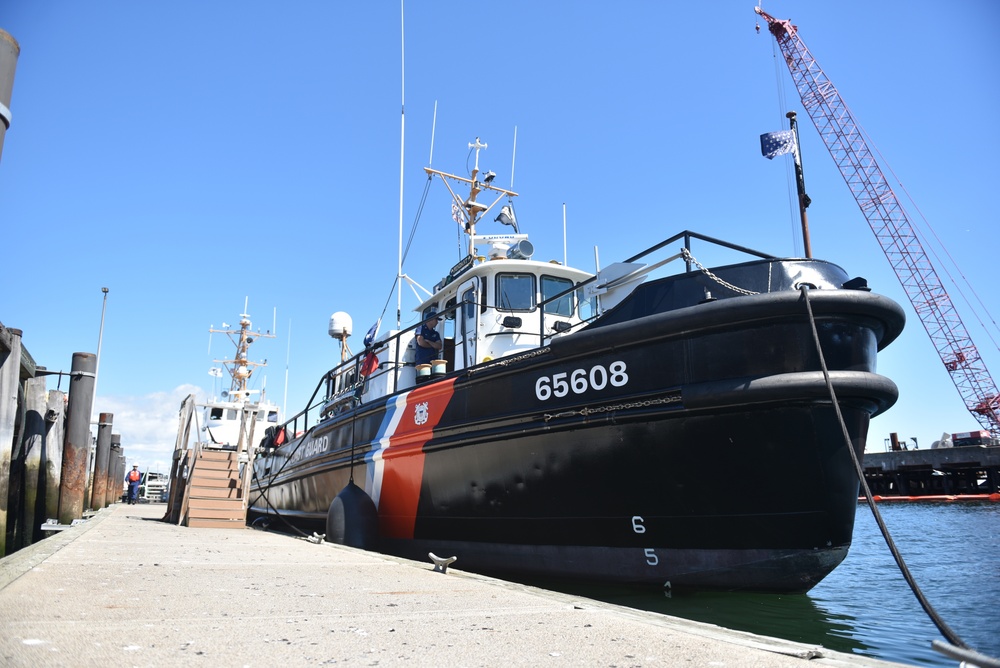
116 473
32 515
76 448
10 382
55 434
113 450
99 493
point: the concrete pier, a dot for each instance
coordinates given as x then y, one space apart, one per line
123 588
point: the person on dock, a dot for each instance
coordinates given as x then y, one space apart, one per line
428 340
133 479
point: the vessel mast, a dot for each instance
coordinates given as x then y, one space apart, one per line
470 209
241 368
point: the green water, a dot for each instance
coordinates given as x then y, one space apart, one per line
865 606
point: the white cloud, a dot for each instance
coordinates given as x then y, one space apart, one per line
147 424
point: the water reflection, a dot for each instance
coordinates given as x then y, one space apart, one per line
865 606
795 617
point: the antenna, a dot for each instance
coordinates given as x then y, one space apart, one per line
477 146
402 135
430 160
288 354
565 263
513 155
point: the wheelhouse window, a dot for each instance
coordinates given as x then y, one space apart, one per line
552 286
515 292
588 307
469 303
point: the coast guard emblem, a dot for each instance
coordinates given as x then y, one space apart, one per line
420 413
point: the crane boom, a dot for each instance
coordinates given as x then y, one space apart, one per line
892 228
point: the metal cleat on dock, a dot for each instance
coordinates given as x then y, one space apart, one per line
441 564
316 538
52 524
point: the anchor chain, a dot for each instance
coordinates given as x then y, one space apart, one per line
686 254
646 403
505 361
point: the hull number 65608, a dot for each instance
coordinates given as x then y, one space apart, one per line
580 380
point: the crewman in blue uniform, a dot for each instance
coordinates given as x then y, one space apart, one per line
428 340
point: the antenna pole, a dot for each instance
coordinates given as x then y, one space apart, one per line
470 227
402 136
100 340
512 157
565 263
434 121
288 354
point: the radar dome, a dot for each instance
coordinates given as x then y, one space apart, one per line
340 325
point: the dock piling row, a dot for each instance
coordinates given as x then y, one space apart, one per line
52 469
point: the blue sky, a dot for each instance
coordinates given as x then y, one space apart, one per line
190 155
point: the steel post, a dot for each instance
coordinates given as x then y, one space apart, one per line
9 51
76 448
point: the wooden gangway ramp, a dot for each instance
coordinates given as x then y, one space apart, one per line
208 485
215 495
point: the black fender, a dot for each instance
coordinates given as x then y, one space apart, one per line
352 519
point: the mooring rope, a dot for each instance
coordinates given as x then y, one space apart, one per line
946 631
261 489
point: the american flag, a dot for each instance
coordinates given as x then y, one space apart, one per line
777 143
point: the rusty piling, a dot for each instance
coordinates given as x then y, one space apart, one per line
76 448
99 494
116 472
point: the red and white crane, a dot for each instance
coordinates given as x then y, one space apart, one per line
892 228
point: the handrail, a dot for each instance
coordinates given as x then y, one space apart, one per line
317 404
686 235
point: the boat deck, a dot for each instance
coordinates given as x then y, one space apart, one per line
124 588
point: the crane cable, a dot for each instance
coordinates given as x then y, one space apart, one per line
945 630
925 242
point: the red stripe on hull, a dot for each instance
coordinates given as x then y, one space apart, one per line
403 460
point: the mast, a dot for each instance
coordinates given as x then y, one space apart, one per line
240 368
470 208
800 185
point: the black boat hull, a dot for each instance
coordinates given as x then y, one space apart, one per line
696 447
